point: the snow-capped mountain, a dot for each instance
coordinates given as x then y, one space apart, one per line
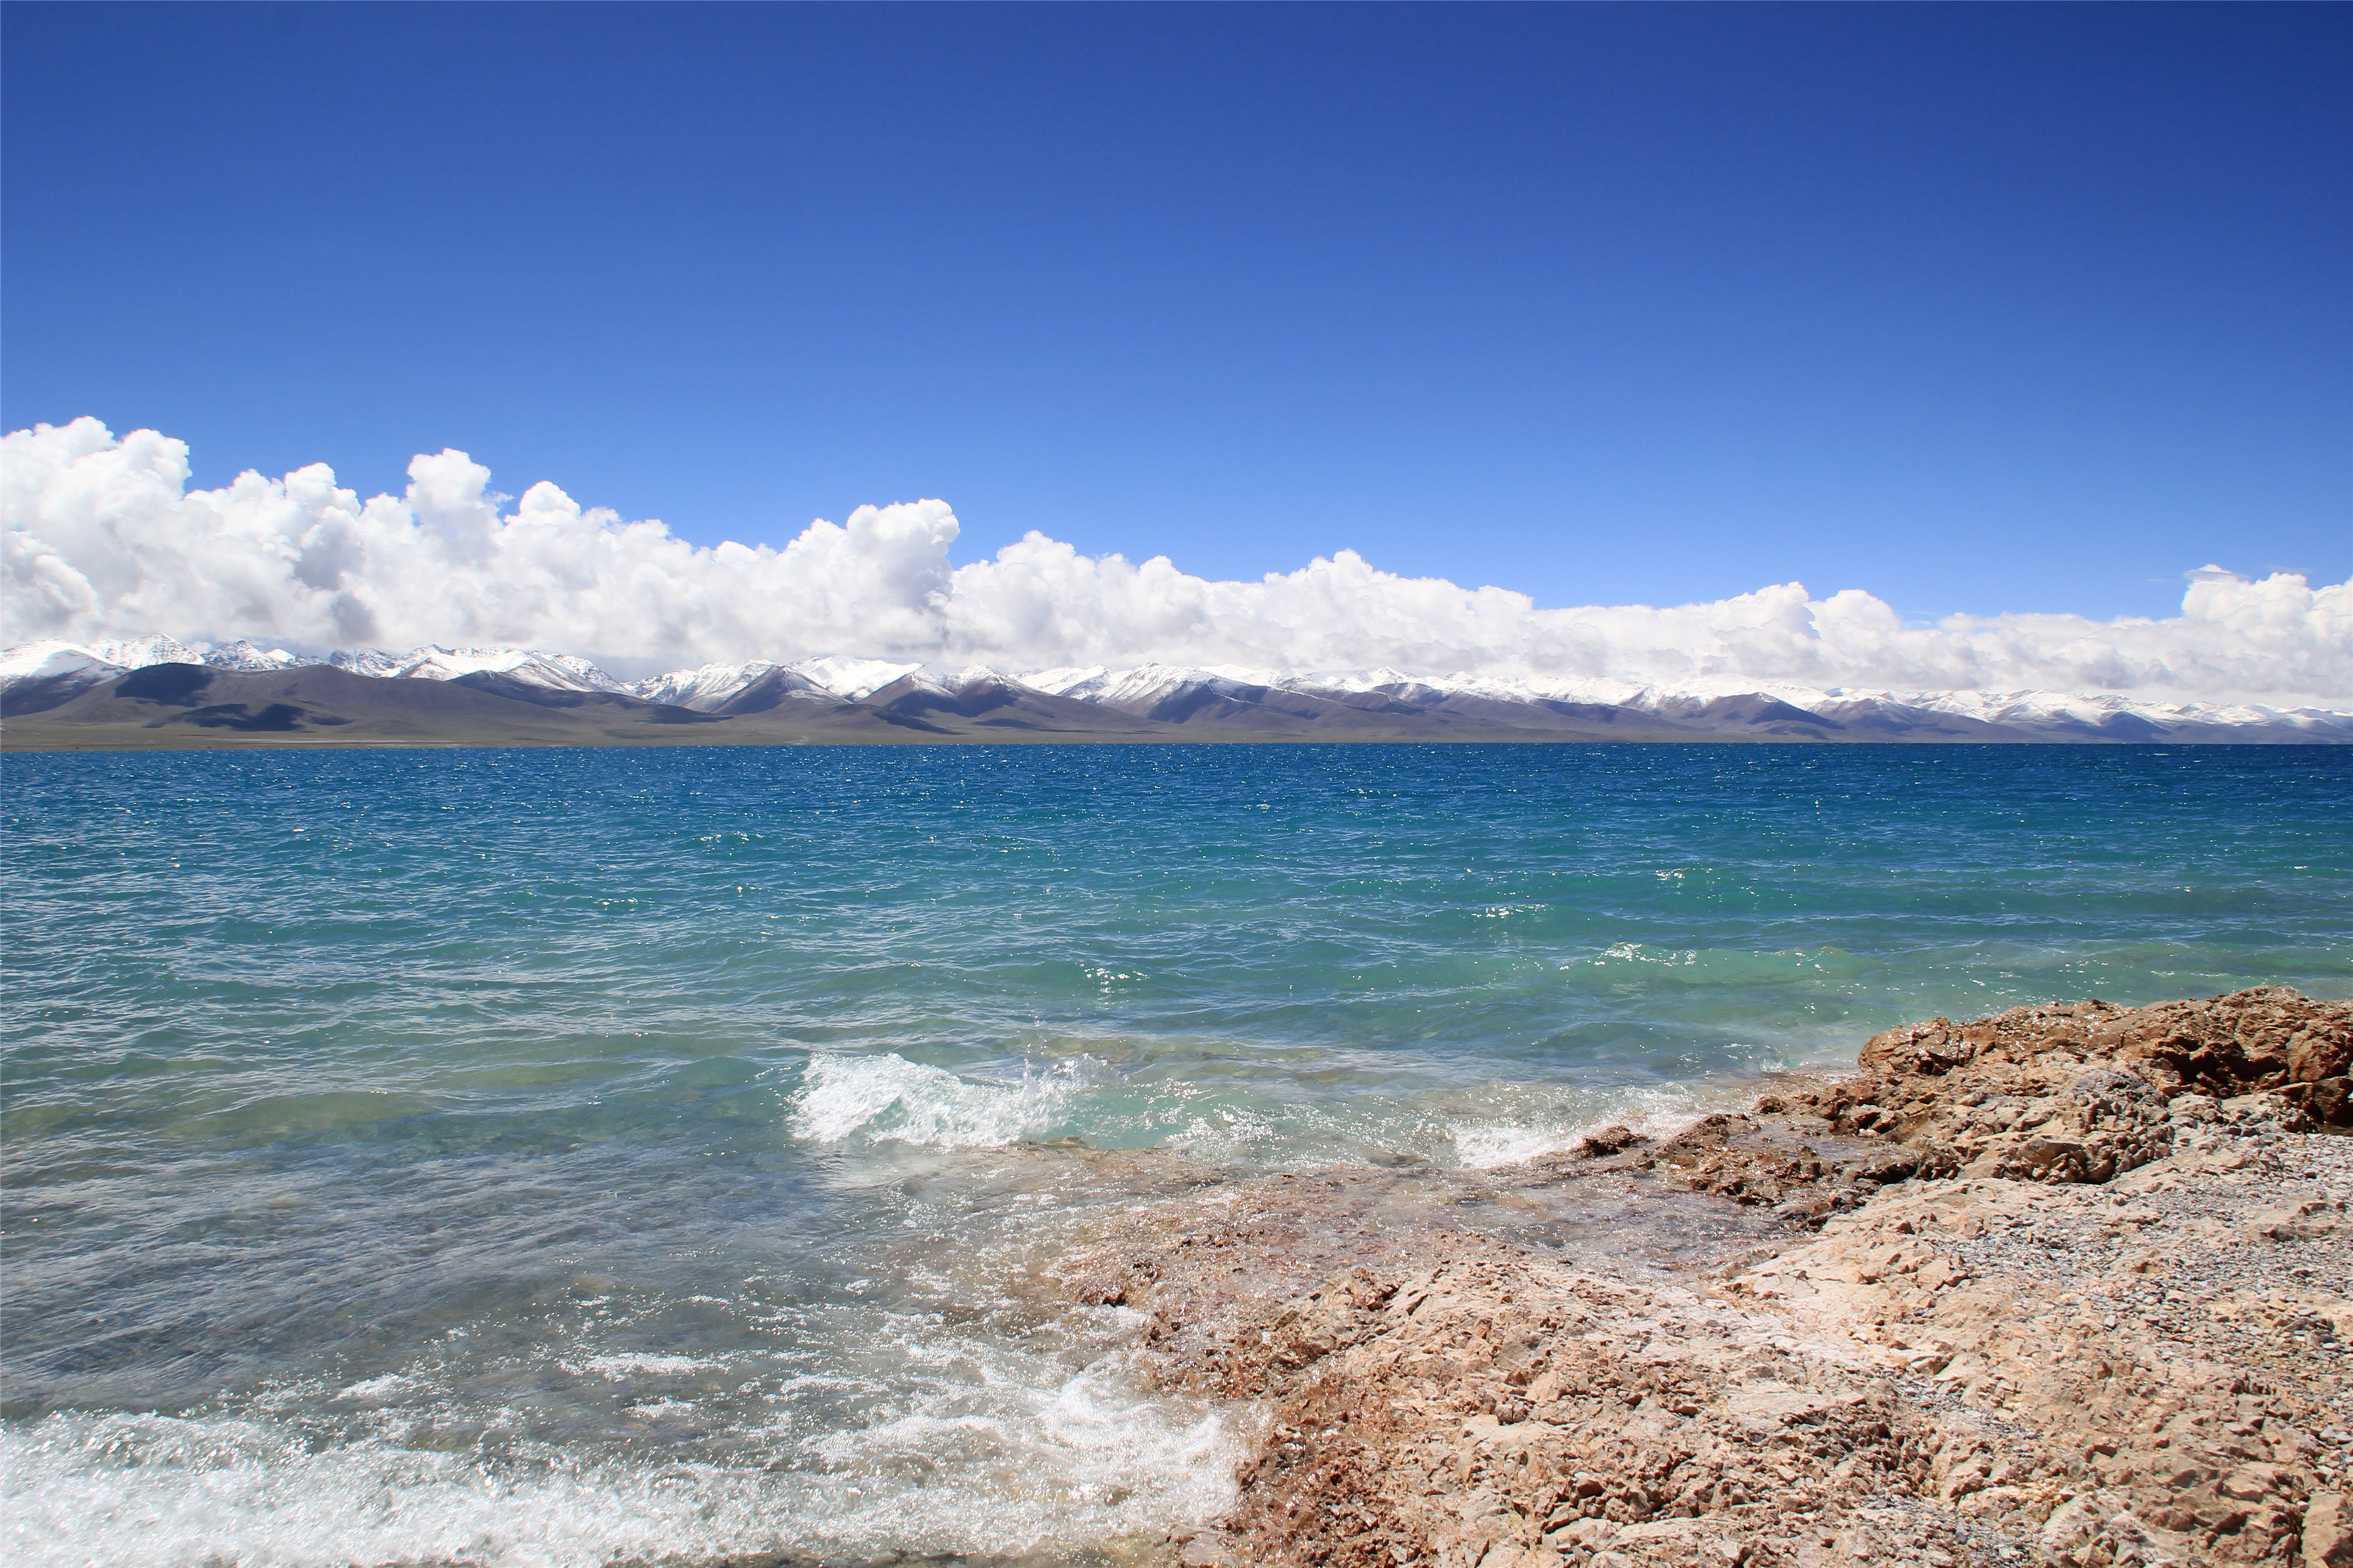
37 674
60 671
48 672
1718 705
250 656
1150 698
704 687
369 661
854 679
557 671
137 653
710 688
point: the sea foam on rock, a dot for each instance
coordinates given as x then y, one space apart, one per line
2066 1286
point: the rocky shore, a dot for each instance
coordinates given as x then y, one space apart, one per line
2066 1286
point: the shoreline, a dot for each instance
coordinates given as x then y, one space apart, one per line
2066 1286
22 741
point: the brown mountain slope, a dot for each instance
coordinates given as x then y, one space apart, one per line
181 706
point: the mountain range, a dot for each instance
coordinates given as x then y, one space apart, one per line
156 691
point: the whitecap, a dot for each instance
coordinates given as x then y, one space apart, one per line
618 1367
1000 1469
887 1097
1488 1144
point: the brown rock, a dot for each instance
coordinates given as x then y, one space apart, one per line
2071 1295
2328 1531
1610 1141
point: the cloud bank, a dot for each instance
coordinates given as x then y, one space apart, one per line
103 538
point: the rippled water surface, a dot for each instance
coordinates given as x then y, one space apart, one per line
528 1157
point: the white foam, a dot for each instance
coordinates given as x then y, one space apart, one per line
653 1409
1058 1468
888 1099
1487 1145
154 1490
657 1365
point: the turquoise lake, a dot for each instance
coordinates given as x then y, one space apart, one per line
535 1156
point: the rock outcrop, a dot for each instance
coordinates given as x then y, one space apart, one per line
2066 1286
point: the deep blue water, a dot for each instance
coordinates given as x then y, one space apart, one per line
511 1155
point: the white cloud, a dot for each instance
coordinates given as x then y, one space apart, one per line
104 539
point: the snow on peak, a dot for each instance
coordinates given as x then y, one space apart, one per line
372 661
854 679
1148 683
1064 681
138 653
704 687
251 655
57 664
49 658
955 680
561 671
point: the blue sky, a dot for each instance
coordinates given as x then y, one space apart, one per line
1980 308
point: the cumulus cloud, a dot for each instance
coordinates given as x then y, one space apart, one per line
103 538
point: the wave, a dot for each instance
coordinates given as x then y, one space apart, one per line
1488 1145
157 1490
1065 1466
1824 966
887 1097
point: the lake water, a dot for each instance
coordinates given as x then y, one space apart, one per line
532 1156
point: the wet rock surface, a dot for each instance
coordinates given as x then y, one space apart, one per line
2067 1286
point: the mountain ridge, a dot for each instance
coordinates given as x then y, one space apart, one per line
43 688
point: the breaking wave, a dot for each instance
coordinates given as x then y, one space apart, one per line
888 1099
1487 1143
1066 1465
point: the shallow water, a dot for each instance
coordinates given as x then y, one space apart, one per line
531 1156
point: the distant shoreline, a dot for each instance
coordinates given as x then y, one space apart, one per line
199 707
16 739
